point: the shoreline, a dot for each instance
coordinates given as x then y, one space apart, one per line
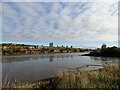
38 54
100 55
55 82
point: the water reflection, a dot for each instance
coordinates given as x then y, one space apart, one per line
107 60
37 67
10 59
51 59
98 58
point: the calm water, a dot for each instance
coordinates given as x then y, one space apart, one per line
36 67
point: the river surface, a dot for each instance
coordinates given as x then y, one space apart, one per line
30 68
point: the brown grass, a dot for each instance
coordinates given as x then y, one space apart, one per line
103 78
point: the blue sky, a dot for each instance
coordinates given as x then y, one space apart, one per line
83 24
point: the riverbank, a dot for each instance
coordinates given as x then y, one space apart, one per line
41 54
20 49
101 55
107 77
105 52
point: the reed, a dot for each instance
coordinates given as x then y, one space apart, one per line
107 77
103 78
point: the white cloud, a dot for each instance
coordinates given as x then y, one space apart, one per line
60 22
60 0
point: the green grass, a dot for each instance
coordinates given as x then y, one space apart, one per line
103 78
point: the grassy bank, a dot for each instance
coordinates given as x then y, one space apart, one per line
105 52
23 49
103 78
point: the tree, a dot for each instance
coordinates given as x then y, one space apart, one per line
103 46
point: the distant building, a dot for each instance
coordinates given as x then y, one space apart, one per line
51 44
56 51
4 47
31 47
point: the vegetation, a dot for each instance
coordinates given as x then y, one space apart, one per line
15 49
107 77
103 78
105 51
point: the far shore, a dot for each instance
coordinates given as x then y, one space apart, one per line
39 54
101 55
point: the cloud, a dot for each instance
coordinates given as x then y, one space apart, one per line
60 1
0 21
60 22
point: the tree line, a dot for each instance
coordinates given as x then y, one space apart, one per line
106 51
10 48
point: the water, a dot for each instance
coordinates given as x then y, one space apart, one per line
30 68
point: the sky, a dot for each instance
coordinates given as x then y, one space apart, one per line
80 24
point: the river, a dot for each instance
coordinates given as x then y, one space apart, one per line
30 68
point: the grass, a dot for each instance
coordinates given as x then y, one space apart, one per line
103 78
107 77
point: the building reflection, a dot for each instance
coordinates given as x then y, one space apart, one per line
51 59
10 60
